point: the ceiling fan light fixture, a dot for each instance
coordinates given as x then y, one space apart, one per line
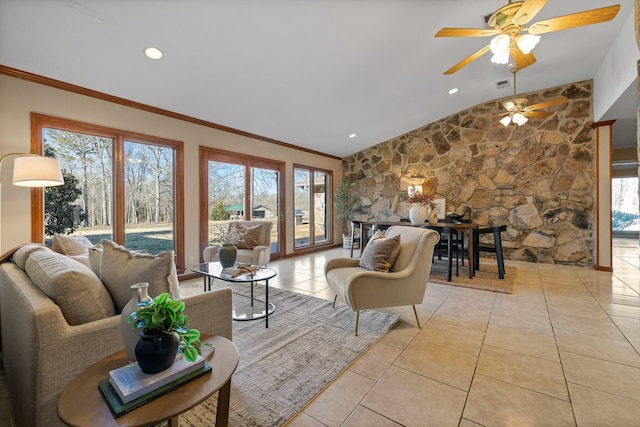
500 44
526 42
505 121
519 119
509 105
500 58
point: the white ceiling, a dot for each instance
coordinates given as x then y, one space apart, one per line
305 72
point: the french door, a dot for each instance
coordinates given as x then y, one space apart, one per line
239 187
311 206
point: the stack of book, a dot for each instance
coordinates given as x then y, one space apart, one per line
128 387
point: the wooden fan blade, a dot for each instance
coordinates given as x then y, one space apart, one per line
527 11
541 114
522 60
465 32
468 59
546 104
579 19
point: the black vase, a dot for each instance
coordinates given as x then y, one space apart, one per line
155 353
227 255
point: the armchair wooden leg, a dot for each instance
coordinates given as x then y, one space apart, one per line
357 321
416 314
334 301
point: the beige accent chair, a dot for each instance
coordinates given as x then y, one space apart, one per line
258 255
404 284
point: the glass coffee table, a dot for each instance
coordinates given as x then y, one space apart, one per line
241 310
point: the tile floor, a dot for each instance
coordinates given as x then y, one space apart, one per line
564 349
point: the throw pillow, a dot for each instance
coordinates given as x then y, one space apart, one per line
95 254
78 292
71 245
380 253
120 268
250 236
21 256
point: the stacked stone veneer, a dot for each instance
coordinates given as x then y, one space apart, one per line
538 178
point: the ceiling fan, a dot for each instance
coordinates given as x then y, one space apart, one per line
513 40
518 112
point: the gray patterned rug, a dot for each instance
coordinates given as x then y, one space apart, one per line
308 343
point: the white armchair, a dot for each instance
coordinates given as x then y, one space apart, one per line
256 255
404 284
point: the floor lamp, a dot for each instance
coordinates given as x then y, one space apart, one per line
31 170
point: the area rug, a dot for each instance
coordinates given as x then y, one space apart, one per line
308 343
485 279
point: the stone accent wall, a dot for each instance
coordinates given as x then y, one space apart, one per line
538 178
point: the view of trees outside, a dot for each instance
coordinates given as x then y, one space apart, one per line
148 204
310 206
625 204
226 192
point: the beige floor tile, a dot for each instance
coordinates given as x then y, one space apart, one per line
622 310
467 423
334 405
599 327
494 403
600 348
413 400
526 321
464 315
532 373
303 420
601 375
376 361
597 408
400 335
531 343
627 325
461 339
364 417
439 363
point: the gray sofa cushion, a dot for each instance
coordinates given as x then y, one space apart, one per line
120 268
21 256
78 292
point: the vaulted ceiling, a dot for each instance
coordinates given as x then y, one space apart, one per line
308 73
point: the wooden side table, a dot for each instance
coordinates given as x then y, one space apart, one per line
81 403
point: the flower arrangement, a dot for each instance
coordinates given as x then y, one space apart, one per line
421 198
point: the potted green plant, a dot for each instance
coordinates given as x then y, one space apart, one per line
164 330
343 201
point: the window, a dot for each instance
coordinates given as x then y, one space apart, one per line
311 206
625 205
240 187
127 185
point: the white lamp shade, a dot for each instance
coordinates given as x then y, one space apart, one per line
505 121
526 42
36 171
500 58
500 44
519 119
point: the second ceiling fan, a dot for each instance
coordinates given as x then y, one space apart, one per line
512 39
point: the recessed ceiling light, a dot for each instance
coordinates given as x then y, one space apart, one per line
353 135
153 53
452 91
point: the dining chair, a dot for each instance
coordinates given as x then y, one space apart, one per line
450 245
496 248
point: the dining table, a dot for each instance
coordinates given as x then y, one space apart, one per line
466 228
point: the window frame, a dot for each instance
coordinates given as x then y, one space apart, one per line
329 207
40 121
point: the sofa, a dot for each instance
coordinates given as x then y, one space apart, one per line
58 317
254 246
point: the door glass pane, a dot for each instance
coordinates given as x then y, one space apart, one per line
625 209
302 205
83 206
148 197
265 201
226 184
319 207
